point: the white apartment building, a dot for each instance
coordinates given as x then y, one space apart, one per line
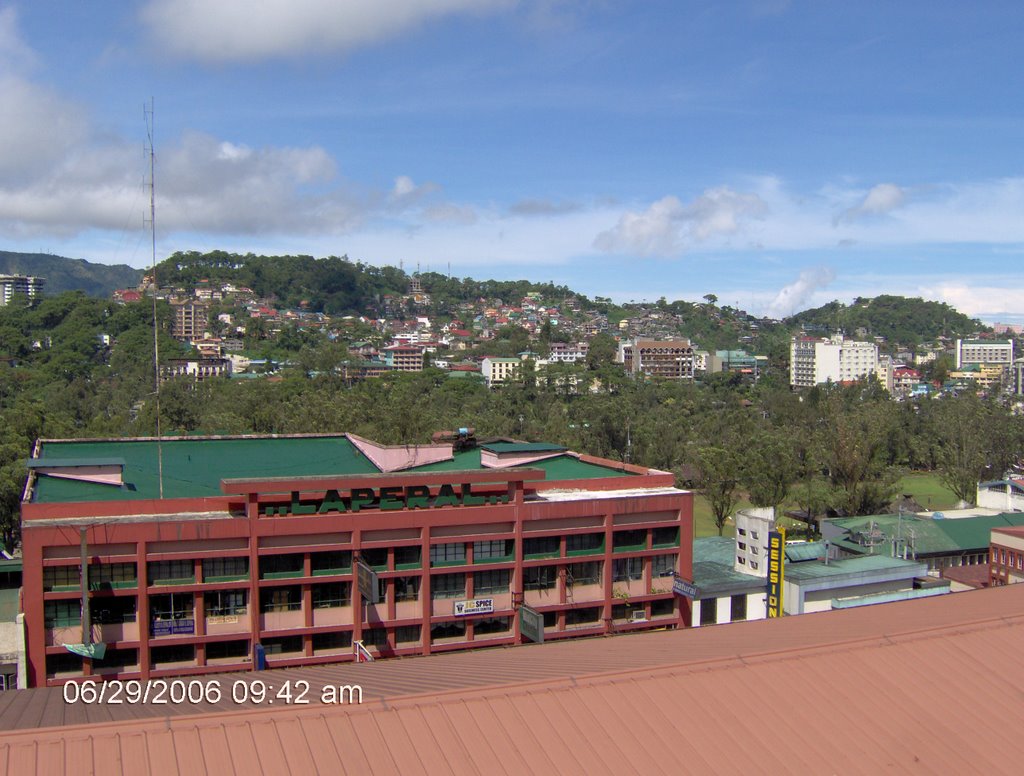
500 370
815 361
28 285
986 352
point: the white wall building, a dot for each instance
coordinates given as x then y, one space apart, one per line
27 285
989 352
816 361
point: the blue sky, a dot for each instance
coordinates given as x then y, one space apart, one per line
776 153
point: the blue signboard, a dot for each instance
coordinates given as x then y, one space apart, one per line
681 587
171 627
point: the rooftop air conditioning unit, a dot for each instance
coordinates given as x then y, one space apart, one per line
638 616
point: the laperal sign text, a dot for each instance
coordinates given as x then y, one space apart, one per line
385 498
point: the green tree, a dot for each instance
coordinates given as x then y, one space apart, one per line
718 481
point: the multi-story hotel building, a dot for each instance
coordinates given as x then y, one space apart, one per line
28 285
814 361
984 352
673 359
204 554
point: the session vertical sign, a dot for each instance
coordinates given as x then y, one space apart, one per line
776 570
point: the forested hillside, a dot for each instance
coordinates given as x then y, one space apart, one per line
64 274
908 321
334 285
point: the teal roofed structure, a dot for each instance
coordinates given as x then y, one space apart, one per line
193 467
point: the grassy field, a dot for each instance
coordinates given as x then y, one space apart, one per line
925 487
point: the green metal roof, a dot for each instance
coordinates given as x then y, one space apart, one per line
561 467
195 467
713 571
522 447
930 536
805 572
795 553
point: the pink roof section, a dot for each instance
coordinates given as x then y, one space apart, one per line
878 689
491 460
394 458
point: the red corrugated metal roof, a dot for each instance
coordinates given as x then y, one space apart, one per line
853 691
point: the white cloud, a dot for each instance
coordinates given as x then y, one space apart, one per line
668 227
881 199
407 192
795 296
14 53
245 31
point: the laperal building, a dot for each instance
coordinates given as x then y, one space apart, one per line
203 553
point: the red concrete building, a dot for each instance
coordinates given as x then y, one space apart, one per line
200 549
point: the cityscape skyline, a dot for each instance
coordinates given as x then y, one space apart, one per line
776 154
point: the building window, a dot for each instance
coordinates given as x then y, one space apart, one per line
117 659
335 640
625 541
104 576
586 616
375 557
112 611
448 630
226 603
542 547
225 569
286 644
221 650
447 554
492 625
408 634
331 595
62 614
448 586
663 607
58 577
539 577
172 572
175 606
177 653
753 535
709 611
663 566
282 566
323 564
627 569
742 546
584 544
407 588
738 608
281 599
586 573
665 537
493 551
491 582
408 557
753 565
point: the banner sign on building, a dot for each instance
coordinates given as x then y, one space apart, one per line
776 570
367 580
531 624
681 587
474 606
172 627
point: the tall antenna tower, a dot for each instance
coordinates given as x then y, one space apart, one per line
147 114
